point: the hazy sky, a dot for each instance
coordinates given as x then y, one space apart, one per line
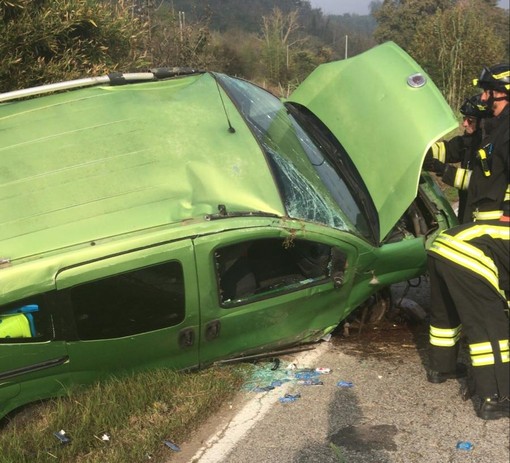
357 6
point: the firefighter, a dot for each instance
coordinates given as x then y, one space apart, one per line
460 149
469 266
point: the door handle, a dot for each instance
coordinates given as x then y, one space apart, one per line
212 330
186 337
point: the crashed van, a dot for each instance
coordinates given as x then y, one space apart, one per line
177 218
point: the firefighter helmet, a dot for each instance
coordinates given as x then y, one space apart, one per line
475 107
495 78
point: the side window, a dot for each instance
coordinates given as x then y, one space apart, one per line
253 269
134 302
27 320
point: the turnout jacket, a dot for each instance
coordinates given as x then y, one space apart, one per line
481 248
489 184
461 149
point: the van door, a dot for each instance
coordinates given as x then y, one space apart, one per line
133 310
260 291
33 356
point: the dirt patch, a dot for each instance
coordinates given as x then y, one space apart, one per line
387 339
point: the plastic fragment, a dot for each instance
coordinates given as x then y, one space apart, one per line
172 446
262 388
62 436
323 371
464 445
345 384
287 398
103 437
306 374
310 382
279 382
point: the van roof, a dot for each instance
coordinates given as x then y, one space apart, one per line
100 161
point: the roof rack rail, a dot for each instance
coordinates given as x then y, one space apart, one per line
114 78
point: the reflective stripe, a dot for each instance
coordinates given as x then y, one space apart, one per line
445 332
458 250
444 337
487 215
439 151
507 194
481 354
500 232
462 177
467 256
480 348
504 348
482 360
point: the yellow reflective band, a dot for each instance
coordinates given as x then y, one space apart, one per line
444 337
462 177
507 194
480 348
444 332
500 232
475 82
487 215
504 348
489 274
439 151
501 75
482 360
443 342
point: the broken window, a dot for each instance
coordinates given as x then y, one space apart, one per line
27 320
315 177
135 302
255 269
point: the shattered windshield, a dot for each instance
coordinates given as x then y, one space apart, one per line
311 187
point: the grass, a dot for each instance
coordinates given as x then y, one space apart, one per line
138 412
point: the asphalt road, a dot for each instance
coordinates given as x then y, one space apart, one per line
390 414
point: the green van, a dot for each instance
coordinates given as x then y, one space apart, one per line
176 218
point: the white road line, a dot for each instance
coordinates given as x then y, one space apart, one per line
226 438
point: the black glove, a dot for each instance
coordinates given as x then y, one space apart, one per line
433 165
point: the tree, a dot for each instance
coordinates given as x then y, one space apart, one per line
453 46
278 36
177 41
397 19
44 41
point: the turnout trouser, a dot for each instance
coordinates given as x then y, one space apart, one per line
461 301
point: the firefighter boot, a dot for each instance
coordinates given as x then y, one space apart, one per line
437 377
494 407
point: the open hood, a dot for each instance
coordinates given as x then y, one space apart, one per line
386 112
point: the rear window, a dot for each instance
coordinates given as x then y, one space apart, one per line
27 320
135 302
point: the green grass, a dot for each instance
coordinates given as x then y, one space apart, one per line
137 412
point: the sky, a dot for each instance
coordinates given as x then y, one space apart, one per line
358 6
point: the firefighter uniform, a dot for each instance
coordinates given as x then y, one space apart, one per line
461 149
469 266
489 183
482 176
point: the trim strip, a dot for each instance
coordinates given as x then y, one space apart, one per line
35 367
